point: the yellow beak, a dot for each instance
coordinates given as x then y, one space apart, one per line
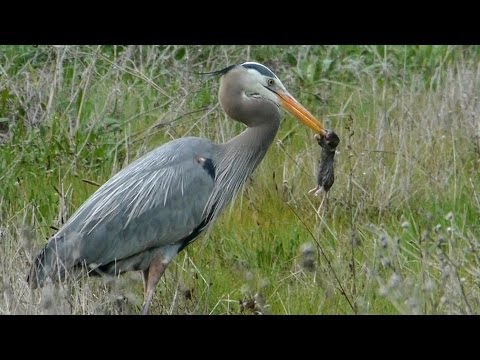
290 104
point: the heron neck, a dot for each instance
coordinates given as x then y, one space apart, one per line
253 140
240 156
235 161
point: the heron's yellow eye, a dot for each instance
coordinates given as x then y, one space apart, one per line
270 82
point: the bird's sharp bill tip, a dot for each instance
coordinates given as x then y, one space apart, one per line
290 104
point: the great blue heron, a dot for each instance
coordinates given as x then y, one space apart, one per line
152 209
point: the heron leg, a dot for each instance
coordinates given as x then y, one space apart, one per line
151 277
145 280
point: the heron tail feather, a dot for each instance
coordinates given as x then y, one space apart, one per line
52 262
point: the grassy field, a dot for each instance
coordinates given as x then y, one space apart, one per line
399 233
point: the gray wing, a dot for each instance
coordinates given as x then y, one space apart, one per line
156 201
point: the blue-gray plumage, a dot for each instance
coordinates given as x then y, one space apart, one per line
153 208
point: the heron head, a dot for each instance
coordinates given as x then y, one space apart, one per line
249 88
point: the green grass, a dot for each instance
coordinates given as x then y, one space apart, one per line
399 233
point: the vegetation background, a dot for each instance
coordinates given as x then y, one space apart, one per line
398 234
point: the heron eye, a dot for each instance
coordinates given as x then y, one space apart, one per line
270 82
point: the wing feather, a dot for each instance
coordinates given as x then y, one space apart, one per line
155 201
